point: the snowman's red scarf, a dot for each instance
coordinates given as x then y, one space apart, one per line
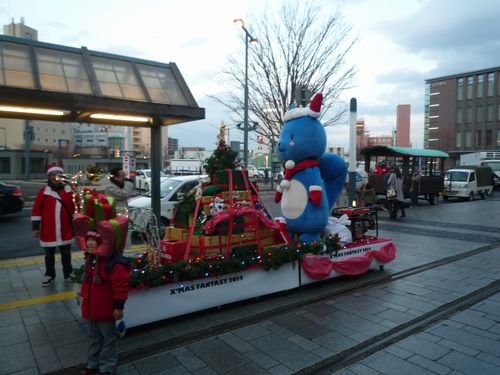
289 173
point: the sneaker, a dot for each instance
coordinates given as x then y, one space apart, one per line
50 281
69 277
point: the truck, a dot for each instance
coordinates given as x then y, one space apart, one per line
484 158
467 182
185 167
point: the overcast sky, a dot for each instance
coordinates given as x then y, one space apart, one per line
401 43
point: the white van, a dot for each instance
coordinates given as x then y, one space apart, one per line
467 182
172 190
253 172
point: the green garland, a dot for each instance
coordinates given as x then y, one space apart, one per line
242 257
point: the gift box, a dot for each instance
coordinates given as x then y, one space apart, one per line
244 238
205 203
221 178
99 206
267 237
208 245
176 234
81 225
114 232
172 251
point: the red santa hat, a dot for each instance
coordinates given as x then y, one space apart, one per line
94 235
313 110
54 168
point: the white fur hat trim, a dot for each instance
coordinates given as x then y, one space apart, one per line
55 168
300 112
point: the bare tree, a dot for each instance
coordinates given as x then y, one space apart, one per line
300 48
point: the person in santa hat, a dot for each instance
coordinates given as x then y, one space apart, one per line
51 219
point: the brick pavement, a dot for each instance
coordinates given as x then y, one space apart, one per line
49 337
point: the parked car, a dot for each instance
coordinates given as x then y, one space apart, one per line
143 179
11 199
172 190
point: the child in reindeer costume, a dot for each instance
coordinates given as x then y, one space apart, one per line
313 179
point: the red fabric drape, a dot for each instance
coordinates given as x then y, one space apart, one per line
319 267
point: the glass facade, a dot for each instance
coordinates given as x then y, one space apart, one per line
62 71
161 85
480 84
79 71
117 78
15 65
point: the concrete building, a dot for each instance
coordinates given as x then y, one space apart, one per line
20 30
403 115
364 139
462 112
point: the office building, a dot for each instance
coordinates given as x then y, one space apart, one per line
462 112
403 115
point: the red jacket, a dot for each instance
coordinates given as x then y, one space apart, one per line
100 297
52 212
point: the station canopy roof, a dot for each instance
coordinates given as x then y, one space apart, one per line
57 83
401 151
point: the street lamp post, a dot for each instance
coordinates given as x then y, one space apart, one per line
248 39
61 144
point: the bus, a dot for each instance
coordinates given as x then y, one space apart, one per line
428 163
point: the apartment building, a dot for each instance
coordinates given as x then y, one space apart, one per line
462 112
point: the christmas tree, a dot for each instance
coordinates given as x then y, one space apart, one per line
222 158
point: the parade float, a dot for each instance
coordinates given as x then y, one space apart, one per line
223 246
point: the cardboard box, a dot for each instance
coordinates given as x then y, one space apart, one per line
175 234
267 237
205 203
208 245
238 195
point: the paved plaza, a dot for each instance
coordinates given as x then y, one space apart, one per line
41 330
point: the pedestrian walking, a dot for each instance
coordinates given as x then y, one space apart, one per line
51 219
395 194
103 294
415 187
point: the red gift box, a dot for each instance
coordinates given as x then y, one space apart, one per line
172 251
113 233
99 206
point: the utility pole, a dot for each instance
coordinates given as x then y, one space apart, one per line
29 135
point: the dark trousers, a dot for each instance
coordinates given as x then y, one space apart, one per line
50 260
393 205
